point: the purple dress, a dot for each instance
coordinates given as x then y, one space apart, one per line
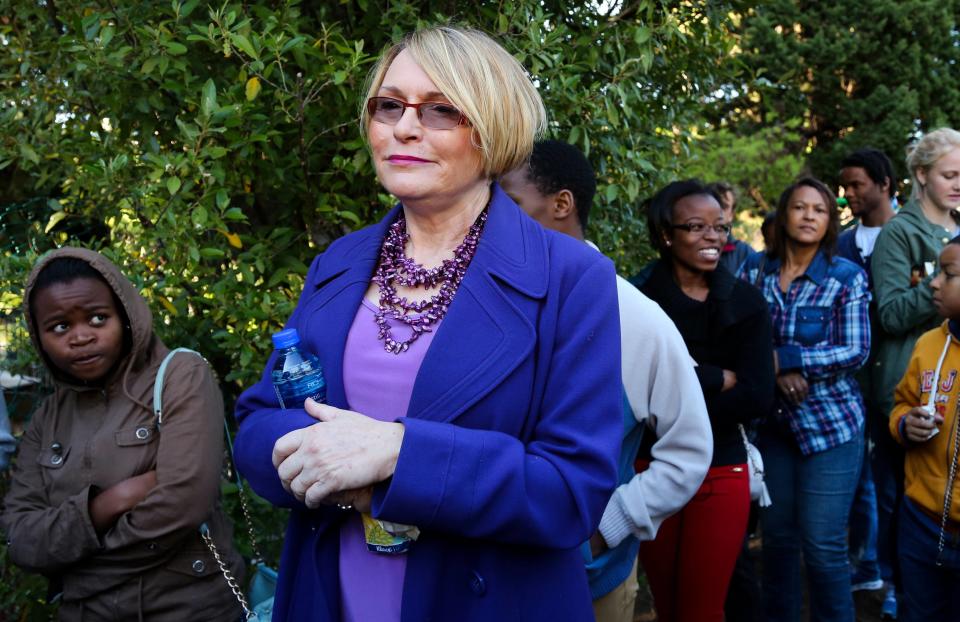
377 384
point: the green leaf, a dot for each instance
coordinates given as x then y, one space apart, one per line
91 31
187 7
173 184
212 253
612 114
223 199
277 277
208 100
348 215
292 43
28 153
199 216
216 152
611 193
234 213
189 130
243 44
175 48
106 35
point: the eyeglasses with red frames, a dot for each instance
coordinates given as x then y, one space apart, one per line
434 115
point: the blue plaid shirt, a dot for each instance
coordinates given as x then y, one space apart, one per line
821 328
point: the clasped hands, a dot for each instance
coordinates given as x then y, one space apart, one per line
339 459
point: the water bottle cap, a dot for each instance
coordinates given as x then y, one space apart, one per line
285 338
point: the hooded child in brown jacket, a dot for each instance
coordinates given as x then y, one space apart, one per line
103 501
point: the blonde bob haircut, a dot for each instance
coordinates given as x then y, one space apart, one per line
484 81
926 151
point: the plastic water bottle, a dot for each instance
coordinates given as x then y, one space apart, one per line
296 375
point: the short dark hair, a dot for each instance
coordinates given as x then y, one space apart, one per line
65 270
721 187
660 209
829 242
555 166
875 163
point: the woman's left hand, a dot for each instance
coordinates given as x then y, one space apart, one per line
345 451
793 386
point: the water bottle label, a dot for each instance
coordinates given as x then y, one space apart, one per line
292 393
297 377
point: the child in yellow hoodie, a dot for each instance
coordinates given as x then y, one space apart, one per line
925 421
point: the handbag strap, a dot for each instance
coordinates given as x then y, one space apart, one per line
746 445
158 383
227 575
204 528
758 283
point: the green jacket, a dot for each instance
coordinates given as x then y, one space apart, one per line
903 263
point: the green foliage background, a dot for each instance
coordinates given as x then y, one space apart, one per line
848 74
216 147
212 149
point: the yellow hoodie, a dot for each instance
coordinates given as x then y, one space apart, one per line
927 464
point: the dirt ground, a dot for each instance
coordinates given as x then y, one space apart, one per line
867 603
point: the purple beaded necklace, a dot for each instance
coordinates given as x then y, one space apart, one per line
395 268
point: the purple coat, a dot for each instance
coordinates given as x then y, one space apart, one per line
512 434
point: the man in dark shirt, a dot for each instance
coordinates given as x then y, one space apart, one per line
868 183
734 251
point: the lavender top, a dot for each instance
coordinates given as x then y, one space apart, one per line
377 384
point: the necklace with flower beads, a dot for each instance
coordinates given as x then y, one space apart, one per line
395 268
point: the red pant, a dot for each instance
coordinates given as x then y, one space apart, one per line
690 562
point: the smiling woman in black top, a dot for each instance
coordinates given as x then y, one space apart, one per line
726 327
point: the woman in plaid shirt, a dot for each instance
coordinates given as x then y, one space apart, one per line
812 446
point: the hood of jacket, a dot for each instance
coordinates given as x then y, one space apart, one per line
140 328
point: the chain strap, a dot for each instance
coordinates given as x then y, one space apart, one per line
204 529
245 508
248 614
948 493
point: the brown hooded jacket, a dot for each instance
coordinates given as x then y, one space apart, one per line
152 564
